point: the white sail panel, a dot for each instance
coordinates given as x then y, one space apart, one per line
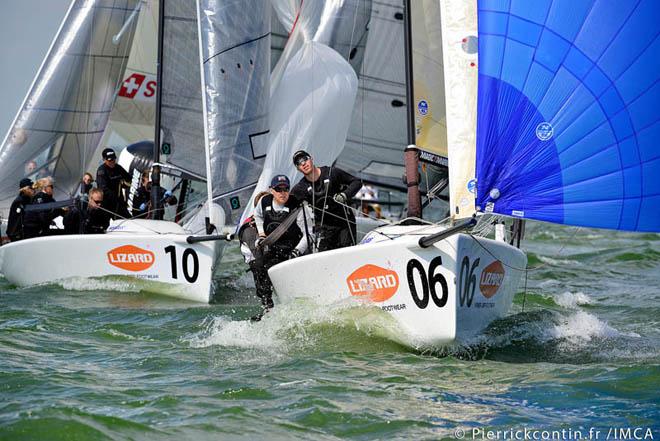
311 109
459 30
132 117
428 80
235 54
378 132
181 117
63 117
339 24
313 84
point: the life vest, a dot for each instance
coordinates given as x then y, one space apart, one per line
273 219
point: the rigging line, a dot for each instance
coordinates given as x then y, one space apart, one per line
525 291
348 55
346 206
426 176
558 254
261 37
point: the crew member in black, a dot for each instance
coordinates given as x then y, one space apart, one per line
142 199
111 178
328 190
17 210
271 211
87 216
37 223
86 184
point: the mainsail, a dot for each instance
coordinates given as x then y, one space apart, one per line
235 55
181 115
63 117
568 117
428 75
377 135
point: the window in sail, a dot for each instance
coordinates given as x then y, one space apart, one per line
470 44
259 144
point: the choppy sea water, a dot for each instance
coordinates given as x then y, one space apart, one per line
579 353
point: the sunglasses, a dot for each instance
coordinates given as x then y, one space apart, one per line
302 160
281 189
111 159
96 201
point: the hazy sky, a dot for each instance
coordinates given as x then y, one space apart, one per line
26 29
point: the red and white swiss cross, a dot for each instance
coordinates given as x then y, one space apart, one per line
139 86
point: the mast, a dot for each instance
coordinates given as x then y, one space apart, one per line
155 169
211 221
411 155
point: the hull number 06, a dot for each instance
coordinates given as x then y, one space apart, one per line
434 285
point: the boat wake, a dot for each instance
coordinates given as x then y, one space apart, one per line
561 331
117 284
304 326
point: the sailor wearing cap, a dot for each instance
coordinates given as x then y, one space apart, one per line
328 190
272 210
17 209
111 178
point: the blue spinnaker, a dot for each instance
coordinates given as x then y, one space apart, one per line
569 112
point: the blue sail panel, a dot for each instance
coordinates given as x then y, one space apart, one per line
568 115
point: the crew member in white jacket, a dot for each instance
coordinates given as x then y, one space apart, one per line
273 245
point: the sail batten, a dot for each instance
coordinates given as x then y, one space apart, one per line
568 113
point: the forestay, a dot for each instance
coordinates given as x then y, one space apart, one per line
62 119
568 120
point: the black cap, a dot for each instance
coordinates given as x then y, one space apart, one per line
108 154
280 181
300 154
25 182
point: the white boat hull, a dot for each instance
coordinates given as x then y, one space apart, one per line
438 295
165 262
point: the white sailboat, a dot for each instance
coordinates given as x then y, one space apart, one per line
65 115
559 129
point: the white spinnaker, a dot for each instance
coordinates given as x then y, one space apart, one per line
339 24
313 84
311 109
459 38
